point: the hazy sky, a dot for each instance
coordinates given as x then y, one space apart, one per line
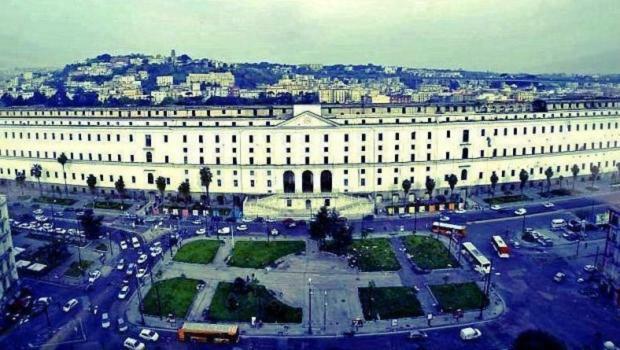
581 36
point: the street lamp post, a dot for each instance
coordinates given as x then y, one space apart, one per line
485 289
523 227
324 311
309 305
110 242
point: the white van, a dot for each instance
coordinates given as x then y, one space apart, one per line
135 242
470 333
557 224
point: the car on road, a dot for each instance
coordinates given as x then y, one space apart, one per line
242 228
559 277
201 231
140 273
142 258
520 211
460 211
404 215
135 242
123 245
589 268
368 217
69 305
444 218
122 325
197 222
259 219
246 220
274 232
223 230
105 320
155 251
200 285
148 334
270 220
496 207
557 224
470 333
133 344
130 268
93 276
548 205
44 300
122 294
417 335
120 265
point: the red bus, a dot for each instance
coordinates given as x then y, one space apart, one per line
208 333
449 229
500 247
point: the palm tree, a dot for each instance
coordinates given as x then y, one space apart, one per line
549 175
452 181
184 191
161 185
62 159
618 166
523 177
91 182
205 179
406 187
430 186
594 170
20 179
120 188
575 170
36 171
494 180
561 179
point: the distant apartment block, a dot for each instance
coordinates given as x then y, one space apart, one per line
164 80
223 79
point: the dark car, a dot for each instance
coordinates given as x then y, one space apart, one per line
259 219
417 335
368 217
231 219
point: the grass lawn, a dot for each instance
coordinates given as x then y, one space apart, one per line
74 269
176 295
111 205
507 199
464 296
429 253
389 302
198 252
260 254
59 200
374 254
255 301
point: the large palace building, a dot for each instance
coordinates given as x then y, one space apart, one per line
310 155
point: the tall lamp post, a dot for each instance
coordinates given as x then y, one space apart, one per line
309 305
485 289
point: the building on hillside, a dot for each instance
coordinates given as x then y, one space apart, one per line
8 270
224 79
164 80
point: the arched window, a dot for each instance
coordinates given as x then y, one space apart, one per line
149 157
464 174
149 178
289 182
307 181
465 153
326 181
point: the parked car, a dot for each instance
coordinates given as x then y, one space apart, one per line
149 334
470 333
69 305
559 277
123 245
122 325
122 295
520 211
142 258
404 215
155 251
140 273
444 218
589 268
495 207
417 335
133 344
93 276
548 205
242 228
105 320
557 224
130 268
120 265
274 232
223 230
201 231
460 211
135 242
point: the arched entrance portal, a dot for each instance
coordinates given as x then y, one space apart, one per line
289 182
326 181
307 181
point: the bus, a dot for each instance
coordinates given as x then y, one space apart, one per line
500 247
208 333
448 229
480 262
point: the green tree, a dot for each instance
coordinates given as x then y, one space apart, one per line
561 179
20 180
161 185
452 181
575 170
494 180
205 180
62 159
594 171
184 192
91 224
549 175
535 339
523 177
406 187
327 223
36 171
618 166
430 186
91 182
120 188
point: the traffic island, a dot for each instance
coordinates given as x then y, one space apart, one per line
198 252
463 296
260 254
389 302
77 269
370 255
428 253
110 205
240 301
56 200
175 295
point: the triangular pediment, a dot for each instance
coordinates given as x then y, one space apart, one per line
307 120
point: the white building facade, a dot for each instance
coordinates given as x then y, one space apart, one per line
323 149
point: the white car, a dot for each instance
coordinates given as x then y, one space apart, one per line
201 231
246 220
149 334
155 251
130 268
197 222
224 230
60 230
460 211
37 211
105 320
495 207
270 220
70 305
124 245
93 276
520 211
122 295
47 225
470 333
444 218
142 258
133 344
135 242
44 300
589 268
242 228
141 273
121 265
275 232
548 205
